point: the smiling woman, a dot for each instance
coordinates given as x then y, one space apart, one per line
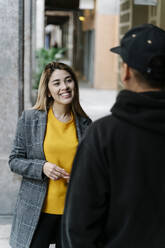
44 148
61 89
45 99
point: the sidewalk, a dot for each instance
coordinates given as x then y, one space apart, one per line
96 103
5 226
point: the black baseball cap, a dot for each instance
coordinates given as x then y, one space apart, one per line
140 45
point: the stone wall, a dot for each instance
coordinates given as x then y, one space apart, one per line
9 100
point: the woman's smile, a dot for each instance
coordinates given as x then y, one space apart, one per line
66 94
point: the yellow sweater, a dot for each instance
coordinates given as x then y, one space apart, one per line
59 147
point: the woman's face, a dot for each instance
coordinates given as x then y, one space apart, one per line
61 87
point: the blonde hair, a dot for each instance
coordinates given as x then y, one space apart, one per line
44 102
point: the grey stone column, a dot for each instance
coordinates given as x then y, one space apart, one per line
10 91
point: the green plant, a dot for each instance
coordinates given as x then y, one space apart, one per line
43 57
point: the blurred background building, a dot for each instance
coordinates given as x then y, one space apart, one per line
85 29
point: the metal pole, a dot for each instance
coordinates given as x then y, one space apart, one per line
21 58
31 49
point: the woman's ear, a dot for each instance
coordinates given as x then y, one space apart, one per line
49 95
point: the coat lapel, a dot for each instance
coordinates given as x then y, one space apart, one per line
40 121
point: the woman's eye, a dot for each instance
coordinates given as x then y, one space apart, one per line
69 80
56 84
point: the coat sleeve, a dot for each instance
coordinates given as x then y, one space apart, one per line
85 210
18 161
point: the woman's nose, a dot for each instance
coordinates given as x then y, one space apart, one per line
64 85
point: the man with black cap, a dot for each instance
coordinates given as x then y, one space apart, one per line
116 195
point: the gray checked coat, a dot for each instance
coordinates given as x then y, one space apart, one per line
27 159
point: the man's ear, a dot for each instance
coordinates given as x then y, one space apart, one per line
125 73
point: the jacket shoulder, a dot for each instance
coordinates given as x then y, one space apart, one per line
84 120
32 115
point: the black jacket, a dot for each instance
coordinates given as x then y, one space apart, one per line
116 197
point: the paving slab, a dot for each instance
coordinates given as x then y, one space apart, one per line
97 103
5 227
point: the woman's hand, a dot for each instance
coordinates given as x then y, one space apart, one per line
55 172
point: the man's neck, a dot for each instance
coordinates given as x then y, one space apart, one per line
139 87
